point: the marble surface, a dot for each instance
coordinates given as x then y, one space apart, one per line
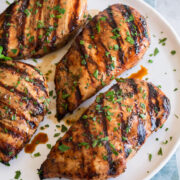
170 9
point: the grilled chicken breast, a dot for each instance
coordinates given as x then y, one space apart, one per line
112 42
23 104
30 28
111 131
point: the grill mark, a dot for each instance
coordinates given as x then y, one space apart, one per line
39 42
129 124
34 68
78 94
47 22
33 21
73 21
112 166
113 25
36 82
141 131
54 33
167 107
5 35
40 84
131 25
39 109
20 115
62 66
133 84
144 26
13 132
43 41
100 42
152 95
123 124
86 128
82 53
21 38
90 28
5 148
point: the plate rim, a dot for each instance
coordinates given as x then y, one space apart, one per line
177 143
171 29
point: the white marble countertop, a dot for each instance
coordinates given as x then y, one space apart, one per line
170 9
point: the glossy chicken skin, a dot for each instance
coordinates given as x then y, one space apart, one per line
23 104
30 28
111 43
109 133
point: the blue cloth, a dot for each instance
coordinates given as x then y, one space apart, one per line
170 170
151 2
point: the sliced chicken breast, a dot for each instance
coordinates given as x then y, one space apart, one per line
111 43
24 101
109 133
30 28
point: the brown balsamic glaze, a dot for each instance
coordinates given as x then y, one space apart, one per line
140 74
40 138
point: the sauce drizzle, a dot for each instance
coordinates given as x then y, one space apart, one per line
140 74
40 138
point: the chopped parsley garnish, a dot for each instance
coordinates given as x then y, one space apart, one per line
156 51
8 3
38 4
84 144
17 175
98 27
99 140
105 157
177 117
59 9
85 117
81 42
56 134
65 96
27 12
124 138
131 18
83 62
173 52
49 146
114 149
116 47
160 153
150 61
127 129
40 25
130 40
150 157
63 148
142 116
165 142
64 128
37 154
143 105
13 117
3 56
51 93
162 41
96 73
90 46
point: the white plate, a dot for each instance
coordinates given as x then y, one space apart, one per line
160 73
